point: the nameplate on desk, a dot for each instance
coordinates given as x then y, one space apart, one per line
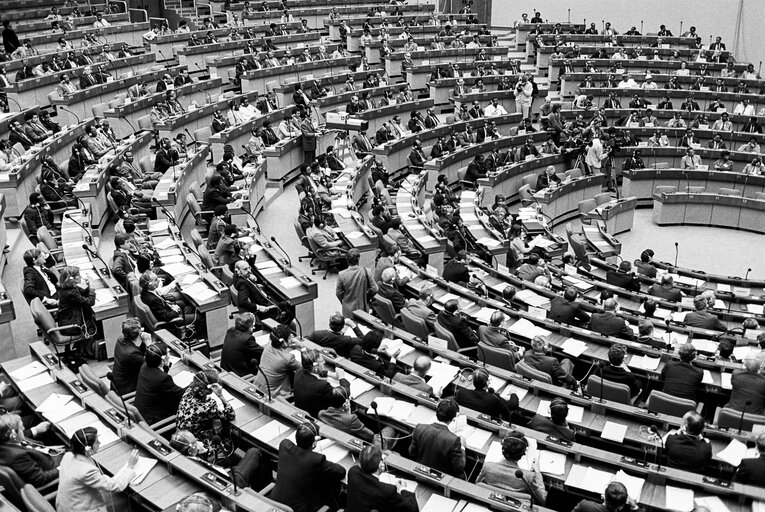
486 417
356 442
429 472
254 392
161 448
429 398
212 366
370 373
716 481
50 359
116 415
79 386
558 440
634 462
216 480
504 499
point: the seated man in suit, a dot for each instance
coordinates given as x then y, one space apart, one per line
484 399
681 378
615 499
306 480
39 281
241 353
556 425
420 307
645 264
338 415
455 324
495 336
164 310
702 318
688 449
416 378
666 289
33 466
559 371
566 310
335 338
366 492
122 261
435 446
645 336
250 296
312 392
369 355
455 270
533 268
616 371
623 278
748 392
752 471
608 323
389 289
157 396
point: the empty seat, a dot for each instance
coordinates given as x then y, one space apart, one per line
585 207
729 192
602 198
695 190
666 189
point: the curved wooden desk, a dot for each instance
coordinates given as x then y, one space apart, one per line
642 183
617 214
710 210
561 203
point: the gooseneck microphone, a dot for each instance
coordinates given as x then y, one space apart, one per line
743 412
88 233
379 427
655 430
124 407
677 249
287 256
519 475
94 252
747 274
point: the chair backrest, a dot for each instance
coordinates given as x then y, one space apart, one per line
729 192
495 356
415 324
602 198
612 391
226 275
147 164
663 403
25 227
99 109
44 320
462 172
206 257
730 418
234 296
384 309
46 238
196 238
194 207
34 501
89 377
202 134
144 123
443 333
526 196
196 190
574 173
759 195
12 485
666 189
695 190
587 206
144 314
111 202
524 370
530 180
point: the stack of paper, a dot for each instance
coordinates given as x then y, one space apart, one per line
678 316
726 380
333 451
678 499
575 412
88 419
645 362
27 371
104 296
477 438
512 388
633 484
703 345
178 269
494 453
712 503
390 346
441 375
142 468
392 408
707 378
552 463
200 291
525 328
484 314
589 479
290 282
271 431
438 503
359 387
614 432
158 225
733 453
421 415
57 408
532 299
39 380
574 347
756 309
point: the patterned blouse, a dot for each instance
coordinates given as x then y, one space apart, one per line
196 415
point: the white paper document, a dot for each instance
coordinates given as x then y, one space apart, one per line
271 431
39 380
183 378
633 484
333 451
552 463
27 371
589 479
678 499
614 431
142 468
574 347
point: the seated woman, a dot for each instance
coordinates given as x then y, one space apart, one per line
199 410
277 364
75 307
82 485
35 467
502 474
156 395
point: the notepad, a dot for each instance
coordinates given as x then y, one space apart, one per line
678 499
589 479
58 414
331 450
552 463
104 296
712 503
574 347
532 299
614 432
27 371
290 282
512 388
359 387
142 468
39 380
733 453
633 484
525 328
183 378
477 439
421 414
438 503
271 431
484 315
645 362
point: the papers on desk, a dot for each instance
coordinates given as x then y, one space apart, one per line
721 305
703 345
81 263
438 503
512 388
344 213
333 451
539 313
483 315
488 241
756 309
726 380
234 402
104 296
722 287
57 408
525 328
390 346
712 503
401 483
290 282
494 453
574 347
88 419
142 468
531 298
441 375
37 381
741 291
421 415
353 235
27 371
633 484
200 291
552 463
183 378
688 281
678 499
165 243
392 408
735 452
678 316
708 379
589 479
359 386
614 432
645 362
580 285
265 264
158 225
575 412
271 431
443 299
751 334
178 269
541 241
173 258
475 438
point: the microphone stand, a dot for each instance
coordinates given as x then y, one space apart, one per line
164 210
268 385
519 475
127 415
655 430
747 274
676 251
741 419
379 428
95 253
67 110
288 259
88 233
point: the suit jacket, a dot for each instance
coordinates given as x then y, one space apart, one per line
351 288
309 135
567 312
459 327
456 272
121 267
303 477
549 365
347 422
340 343
35 285
623 280
492 336
249 295
608 324
682 379
17 137
435 446
391 293
687 452
382 366
413 381
82 485
313 394
747 386
545 425
86 81
619 375
704 320
667 293
481 400
156 395
128 359
366 492
34 467
159 307
752 471
239 351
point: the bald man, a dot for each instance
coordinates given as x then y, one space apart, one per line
416 378
748 387
688 449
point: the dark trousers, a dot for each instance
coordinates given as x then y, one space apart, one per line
251 471
310 156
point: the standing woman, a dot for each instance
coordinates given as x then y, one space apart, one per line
82 486
75 304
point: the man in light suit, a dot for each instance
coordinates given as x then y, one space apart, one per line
353 284
421 307
416 379
608 323
559 371
436 446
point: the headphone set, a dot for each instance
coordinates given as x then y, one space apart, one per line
9 427
82 438
195 499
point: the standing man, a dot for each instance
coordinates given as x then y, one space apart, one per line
523 96
309 137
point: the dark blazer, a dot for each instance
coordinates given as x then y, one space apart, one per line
340 343
121 267
747 386
667 293
456 272
483 401
689 453
35 286
75 305
128 359
313 394
304 478
621 376
34 467
545 425
623 280
239 351
156 395
681 379
549 365
249 296
159 307
391 293
567 312
609 324
435 446
704 320
459 327
752 471
16 138
381 366
366 492
164 160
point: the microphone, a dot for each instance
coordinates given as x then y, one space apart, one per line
687 182
600 372
379 428
124 118
289 261
88 233
85 208
192 139
169 215
299 326
747 274
268 385
655 430
8 98
677 245
124 407
95 253
519 475
743 412
67 110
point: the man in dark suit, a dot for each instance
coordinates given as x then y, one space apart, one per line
389 290
616 371
241 353
166 157
688 449
157 396
338 415
436 446
335 338
39 281
17 136
559 371
608 323
623 278
484 399
616 499
566 310
702 318
162 309
366 492
416 378
752 471
33 467
556 425
122 262
306 480
645 335
666 290
455 324
748 387
455 270
309 133
312 392
250 297
681 378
